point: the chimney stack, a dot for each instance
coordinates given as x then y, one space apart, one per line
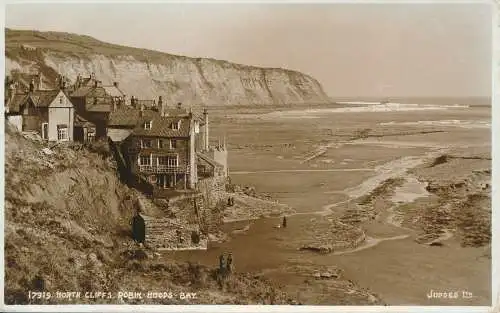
179 105
32 85
205 116
39 82
141 110
92 76
160 107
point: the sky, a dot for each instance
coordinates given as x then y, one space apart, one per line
353 50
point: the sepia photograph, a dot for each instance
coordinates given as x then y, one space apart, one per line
251 153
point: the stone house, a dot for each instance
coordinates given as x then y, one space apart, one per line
158 150
94 102
47 112
166 149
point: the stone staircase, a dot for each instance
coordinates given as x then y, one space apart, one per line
171 234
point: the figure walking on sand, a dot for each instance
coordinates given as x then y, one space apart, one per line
284 221
221 263
230 266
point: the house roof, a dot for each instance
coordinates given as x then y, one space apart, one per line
100 107
82 91
128 116
15 102
40 98
118 135
209 160
88 82
113 91
80 121
162 126
43 98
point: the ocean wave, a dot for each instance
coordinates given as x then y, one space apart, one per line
453 123
375 108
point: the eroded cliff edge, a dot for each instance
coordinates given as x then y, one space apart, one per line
147 74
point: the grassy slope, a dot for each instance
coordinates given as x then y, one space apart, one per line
82 46
67 229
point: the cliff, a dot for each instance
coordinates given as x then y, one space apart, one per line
67 228
148 74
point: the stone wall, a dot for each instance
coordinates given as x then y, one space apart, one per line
172 234
213 189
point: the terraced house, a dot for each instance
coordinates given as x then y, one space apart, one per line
94 102
157 150
50 113
162 151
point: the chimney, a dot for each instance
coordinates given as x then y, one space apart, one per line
115 84
92 76
32 85
205 117
96 83
40 81
179 105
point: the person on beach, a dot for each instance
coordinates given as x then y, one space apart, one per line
230 263
284 221
221 263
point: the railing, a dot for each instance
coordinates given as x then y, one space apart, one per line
163 169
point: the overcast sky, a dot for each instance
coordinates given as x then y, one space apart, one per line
352 49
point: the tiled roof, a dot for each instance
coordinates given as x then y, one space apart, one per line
82 91
100 107
162 126
128 116
42 98
14 103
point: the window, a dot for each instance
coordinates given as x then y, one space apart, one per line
176 125
146 143
162 160
45 131
173 144
172 161
62 132
147 125
90 137
145 160
61 99
160 144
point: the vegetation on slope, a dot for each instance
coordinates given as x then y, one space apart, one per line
67 229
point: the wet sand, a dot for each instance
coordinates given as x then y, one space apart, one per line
390 262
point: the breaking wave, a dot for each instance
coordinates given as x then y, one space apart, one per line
372 108
452 123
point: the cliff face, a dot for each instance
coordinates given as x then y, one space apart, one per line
148 74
